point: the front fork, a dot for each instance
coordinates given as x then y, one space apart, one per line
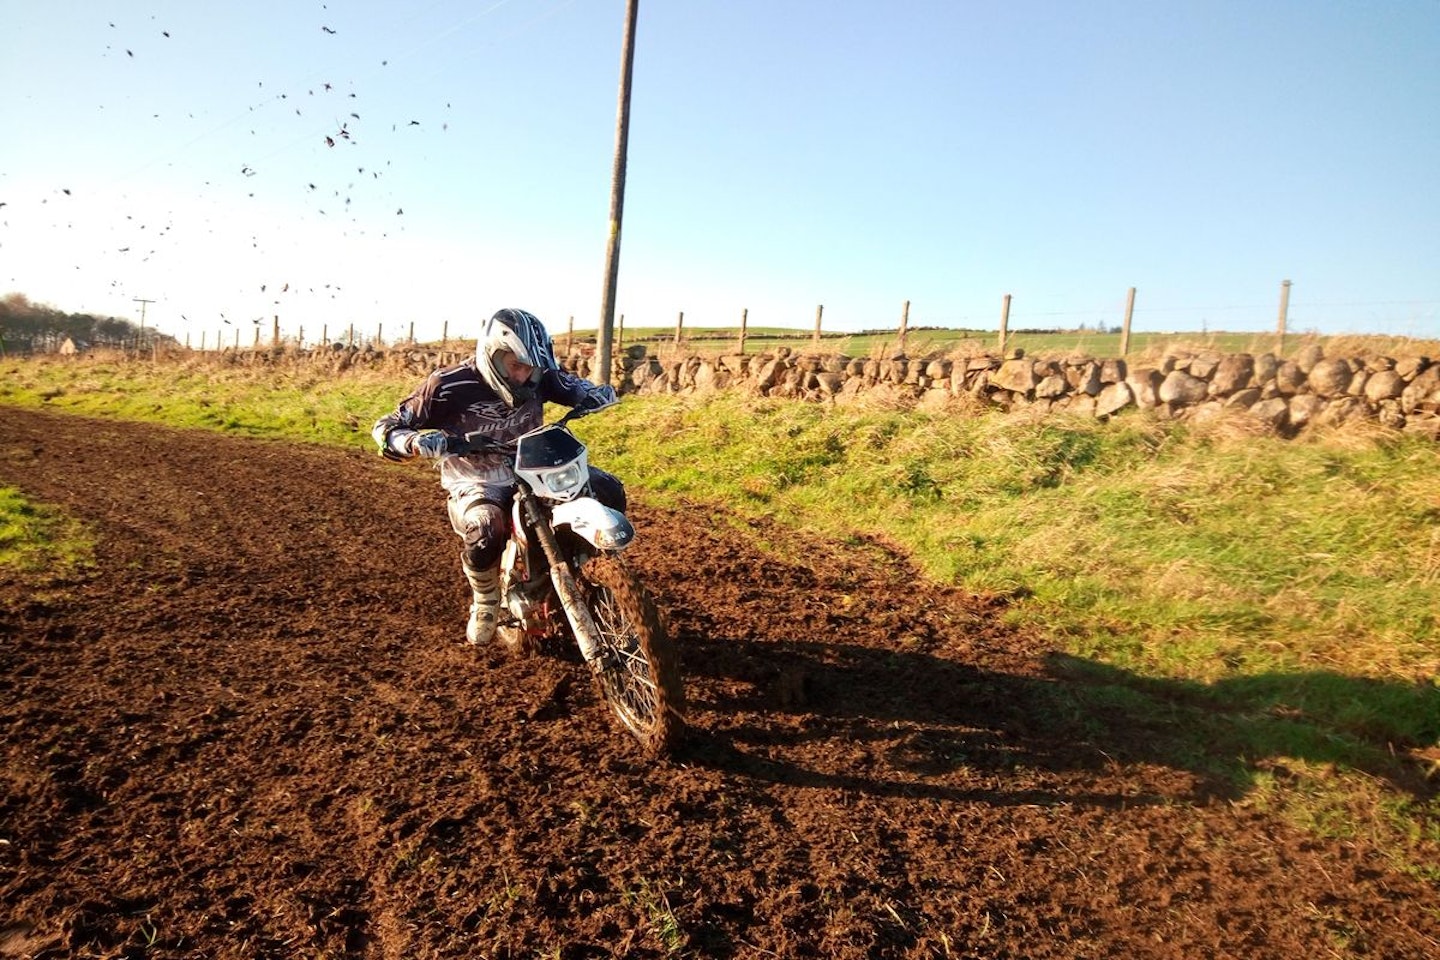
587 633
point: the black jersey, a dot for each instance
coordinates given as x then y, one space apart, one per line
458 401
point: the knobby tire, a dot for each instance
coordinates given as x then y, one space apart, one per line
642 684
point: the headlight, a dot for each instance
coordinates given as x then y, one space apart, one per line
563 480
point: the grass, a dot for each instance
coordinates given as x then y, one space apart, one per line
1267 605
39 544
1162 548
294 402
652 902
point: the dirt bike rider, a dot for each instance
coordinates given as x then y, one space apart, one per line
500 393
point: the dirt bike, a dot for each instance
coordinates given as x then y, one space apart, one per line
561 575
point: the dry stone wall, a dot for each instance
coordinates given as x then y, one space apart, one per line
1287 395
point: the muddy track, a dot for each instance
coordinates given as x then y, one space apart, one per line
250 732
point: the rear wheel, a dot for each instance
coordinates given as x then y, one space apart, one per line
637 670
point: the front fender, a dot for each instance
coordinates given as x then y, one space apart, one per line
600 526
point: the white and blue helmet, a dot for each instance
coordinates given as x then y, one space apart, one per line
521 333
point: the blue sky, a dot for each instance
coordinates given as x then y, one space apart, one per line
782 155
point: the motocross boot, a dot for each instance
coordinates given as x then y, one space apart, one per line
485 605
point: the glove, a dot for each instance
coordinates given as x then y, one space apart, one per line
598 398
431 446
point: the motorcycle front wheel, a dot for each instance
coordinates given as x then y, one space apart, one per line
637 670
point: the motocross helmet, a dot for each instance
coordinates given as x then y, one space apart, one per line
522 334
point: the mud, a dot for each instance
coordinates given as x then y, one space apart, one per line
250 732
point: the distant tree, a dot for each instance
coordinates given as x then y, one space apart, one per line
28 326
109 330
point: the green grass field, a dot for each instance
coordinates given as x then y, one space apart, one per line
1286 594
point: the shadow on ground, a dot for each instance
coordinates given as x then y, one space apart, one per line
926 718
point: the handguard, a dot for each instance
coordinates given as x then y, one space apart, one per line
394 442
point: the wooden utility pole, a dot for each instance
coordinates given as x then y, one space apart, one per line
1125 330
617 193
1284 313
1004 323
143 303
140 340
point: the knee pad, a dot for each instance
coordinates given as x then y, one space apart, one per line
485 533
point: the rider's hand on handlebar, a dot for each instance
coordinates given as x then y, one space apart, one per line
598 398
430 446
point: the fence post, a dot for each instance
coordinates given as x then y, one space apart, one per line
819 312
744 322
379 335
1280 325
237 340
257 337
275 332
904 323
412 331
350 337
300 338
620 335
570 336
202 341
1125 330
679 324
445 336
1004 323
